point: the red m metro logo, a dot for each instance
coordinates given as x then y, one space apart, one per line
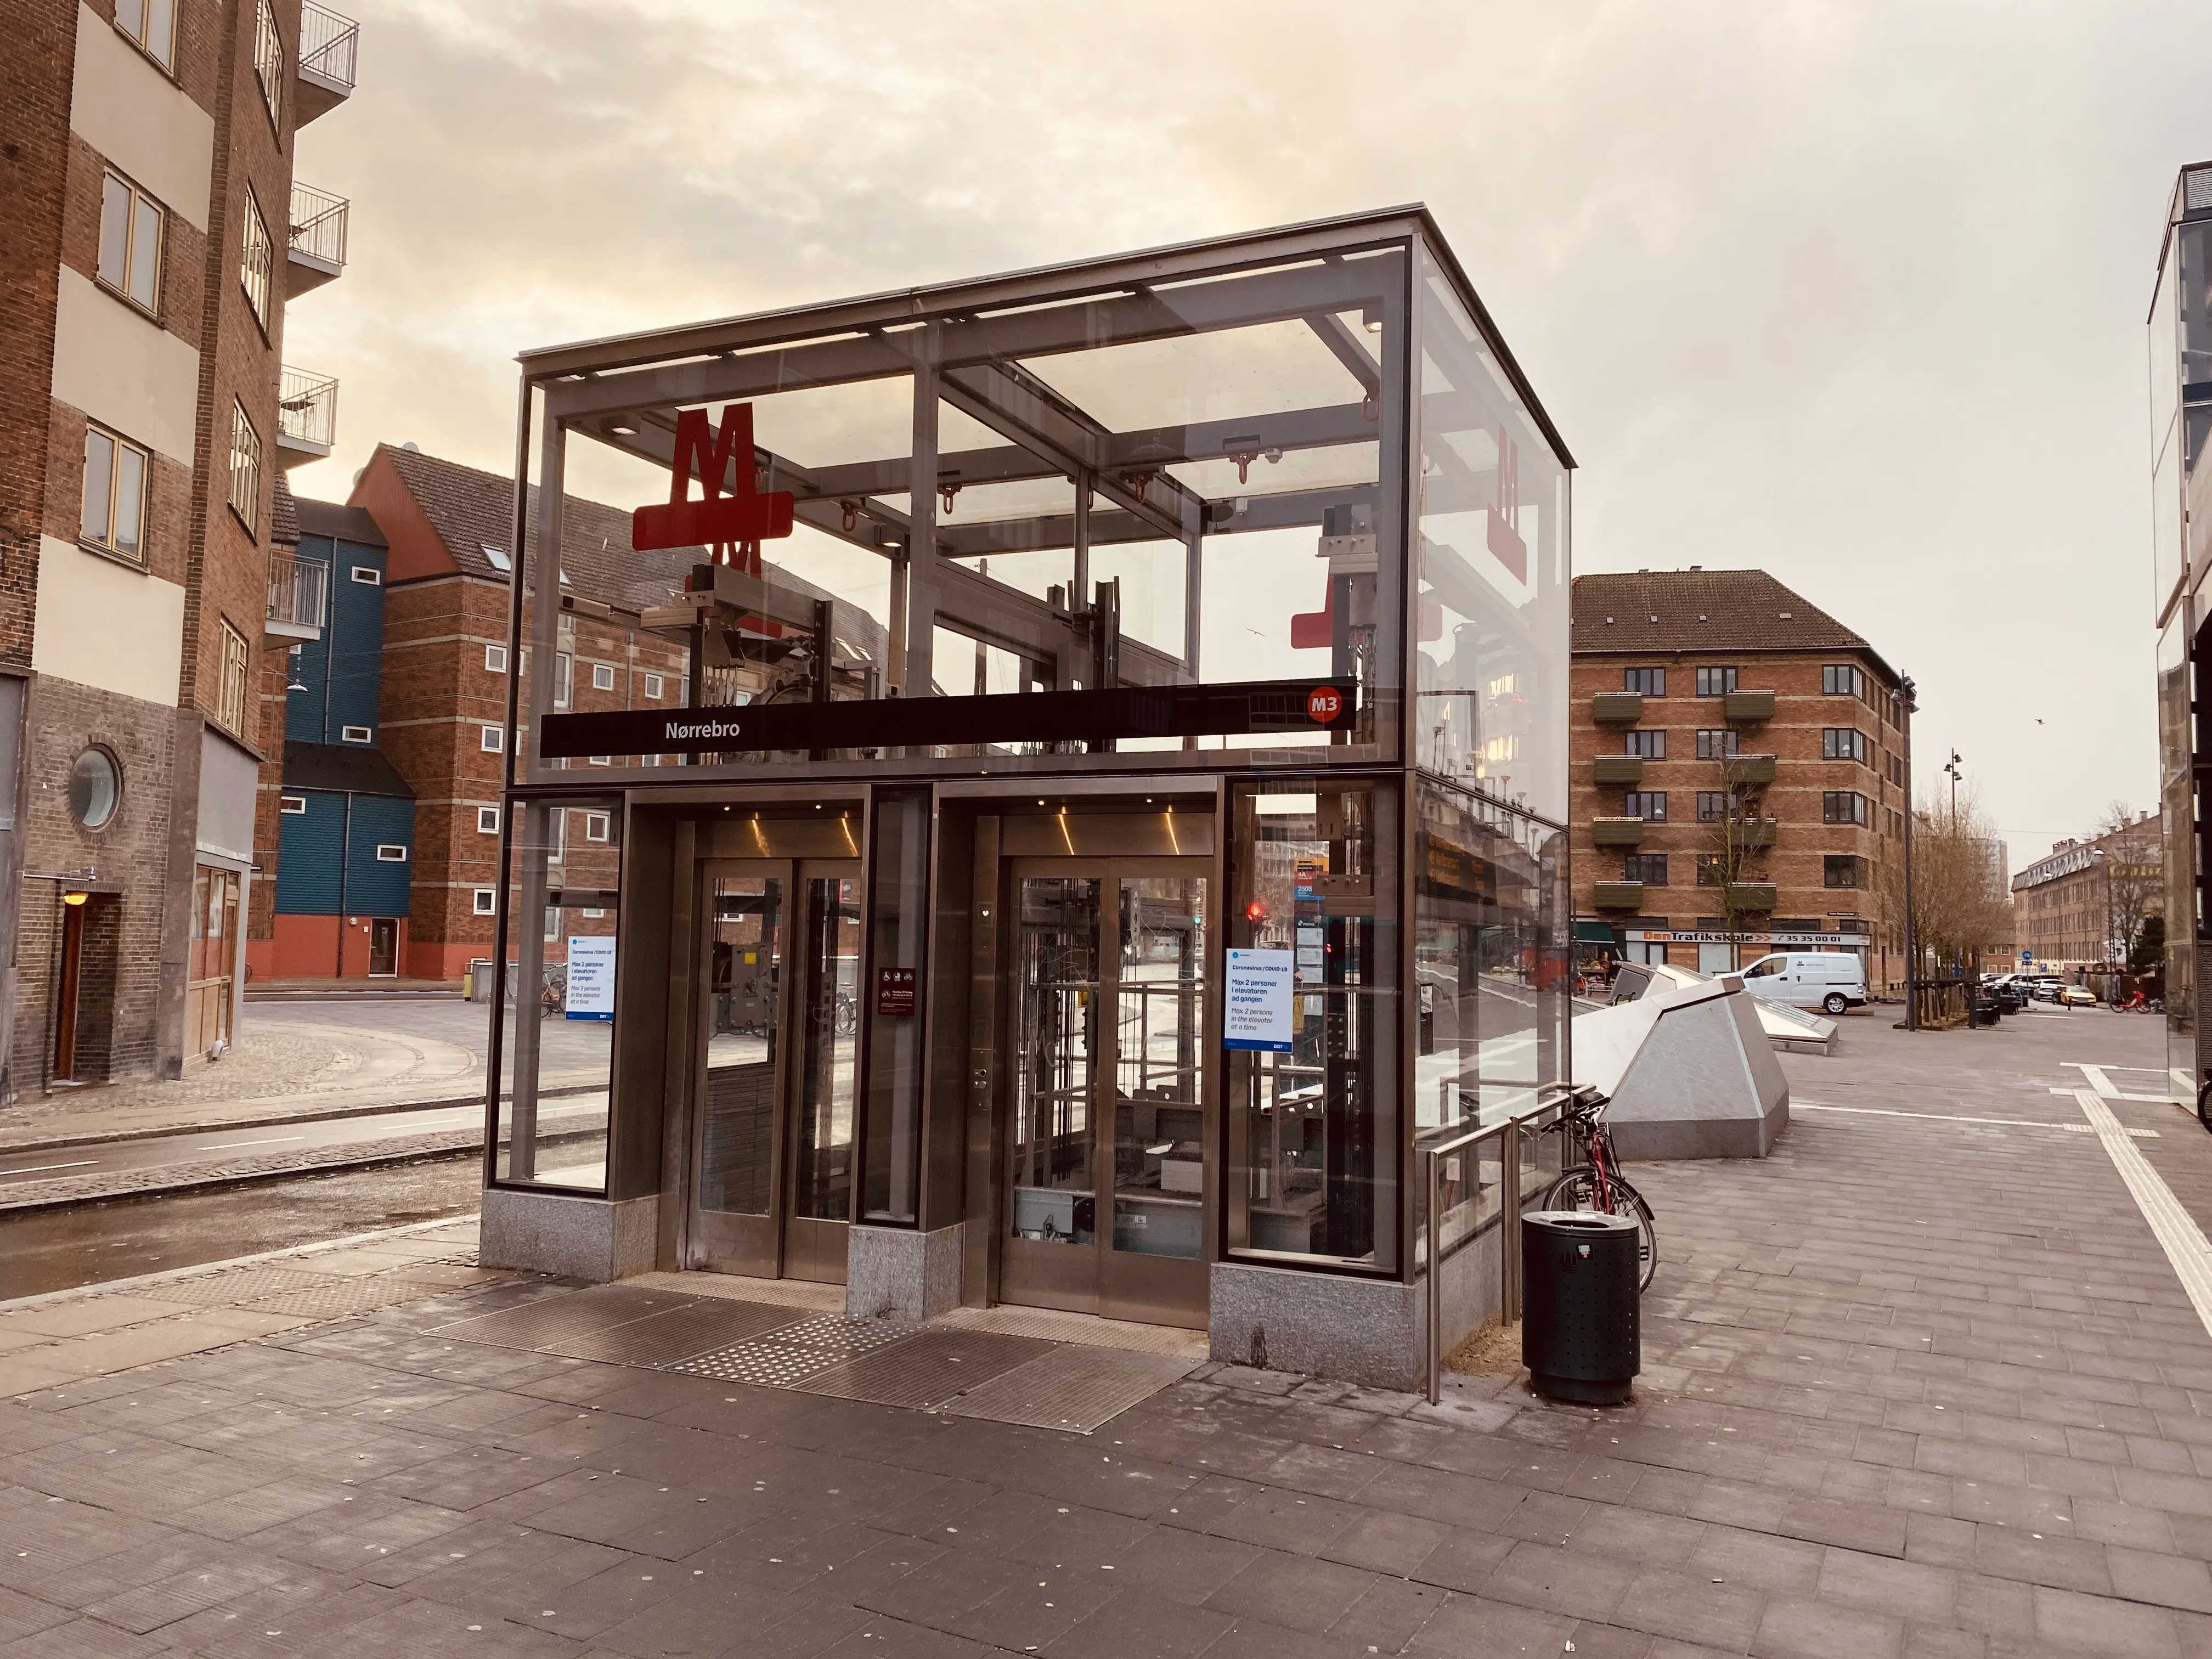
744 517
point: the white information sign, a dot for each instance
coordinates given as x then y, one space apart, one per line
1257 1014
590 978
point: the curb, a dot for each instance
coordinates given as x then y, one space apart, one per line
64 1143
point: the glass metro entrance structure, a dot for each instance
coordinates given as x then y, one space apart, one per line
1112 812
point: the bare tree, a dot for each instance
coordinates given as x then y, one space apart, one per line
1957 904
1736 846
2134 877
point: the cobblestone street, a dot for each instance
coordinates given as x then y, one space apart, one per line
1926 1383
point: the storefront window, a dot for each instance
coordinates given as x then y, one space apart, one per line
1314 1134
1491 551
897 940
556 1007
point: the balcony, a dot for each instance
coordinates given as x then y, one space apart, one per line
1744 896
1747 707
1618 769
307 417
1617 832
1618 896
317 251
1617 707
1747 768
328 43
1745 832
298 590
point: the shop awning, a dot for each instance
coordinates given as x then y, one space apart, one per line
1594 932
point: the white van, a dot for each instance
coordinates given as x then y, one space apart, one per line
1830 981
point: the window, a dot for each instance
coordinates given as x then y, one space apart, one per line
1715 804
293 806
552 923
388 853
1651 745
1716 682
602 760
1843 743
256 261
486 820
603 677
152 24
557 821
564 674
590 914
490 740
95 786
245 470
495 659
1842 806
596 826
1648 681
230 692
1650 868
652 686
1840 870
368 576
484 897
1716 745
1843 679
268 60
115 474
497 556
1712 870
1650 804
130 242
355 734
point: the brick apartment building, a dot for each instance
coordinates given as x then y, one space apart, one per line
154 231
1739 772
381 822
2079 907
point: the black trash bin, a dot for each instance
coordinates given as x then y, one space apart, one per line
1579 1336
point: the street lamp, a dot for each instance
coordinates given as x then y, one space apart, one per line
1951 767
1907 691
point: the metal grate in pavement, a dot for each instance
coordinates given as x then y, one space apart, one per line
563 1318
661 1339
1051 1325
1073 1389
927 1368
347 1295
245 1284
785 1357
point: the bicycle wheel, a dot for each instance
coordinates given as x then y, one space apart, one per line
1577 1189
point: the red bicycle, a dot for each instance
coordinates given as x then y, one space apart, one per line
1592 1179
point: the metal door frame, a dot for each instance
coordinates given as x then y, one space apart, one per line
1115 1284
820 1240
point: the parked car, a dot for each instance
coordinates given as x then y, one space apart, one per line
2076 996
2045 990
1830 981
2007 995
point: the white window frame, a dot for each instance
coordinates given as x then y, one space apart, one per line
245 470
104 538
602 760
269 61
486 902
346 734
233 687
368 576
123 280
391 852
597 826
150 26
292 806
494 740
495 659
564 678
603 677
652 687
257 259
558 852
486 820
590 915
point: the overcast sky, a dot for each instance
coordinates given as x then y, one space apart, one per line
1852 293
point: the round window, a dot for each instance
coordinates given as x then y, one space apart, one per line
95 786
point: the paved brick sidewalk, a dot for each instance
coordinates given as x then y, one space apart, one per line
1923 1384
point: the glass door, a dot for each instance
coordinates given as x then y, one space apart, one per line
1110 1089
778 1070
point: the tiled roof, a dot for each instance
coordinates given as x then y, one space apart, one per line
1699 612
283 520
472 510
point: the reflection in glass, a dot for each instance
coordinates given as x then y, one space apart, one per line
831 1033
891 1170
743 974
1160 1122
1056 1059
1315 1145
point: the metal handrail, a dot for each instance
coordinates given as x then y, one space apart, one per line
297 589
1509 1128
319 223
307 406
328 42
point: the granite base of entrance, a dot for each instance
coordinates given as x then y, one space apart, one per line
595 1239
1369 1332
899 1271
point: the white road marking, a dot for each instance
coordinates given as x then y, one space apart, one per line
40 1168
2106 1089
2177 1232
232 1146
1953 1117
